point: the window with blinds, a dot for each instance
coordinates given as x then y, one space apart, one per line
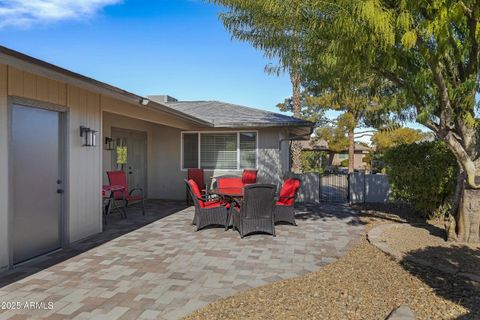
248 150
220 151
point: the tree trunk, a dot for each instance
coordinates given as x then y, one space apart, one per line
468 213
468 217
296 148
351 150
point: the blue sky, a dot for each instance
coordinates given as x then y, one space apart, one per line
174 47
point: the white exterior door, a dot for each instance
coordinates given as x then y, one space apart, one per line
36 180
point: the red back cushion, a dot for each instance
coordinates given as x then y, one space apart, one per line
249 176
233 182
196 191
289 189
118 178
197 176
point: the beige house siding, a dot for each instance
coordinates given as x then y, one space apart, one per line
83 169
84 165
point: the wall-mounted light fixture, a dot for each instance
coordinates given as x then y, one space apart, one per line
89 136
144 101
109 144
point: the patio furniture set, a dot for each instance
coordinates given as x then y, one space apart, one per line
240 202
116 195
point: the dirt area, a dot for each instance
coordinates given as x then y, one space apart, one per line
426 242
365 284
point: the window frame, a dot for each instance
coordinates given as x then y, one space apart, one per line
237 132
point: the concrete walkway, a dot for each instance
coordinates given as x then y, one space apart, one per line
166 270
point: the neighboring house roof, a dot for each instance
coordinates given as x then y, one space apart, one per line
322 145
223 114
205 113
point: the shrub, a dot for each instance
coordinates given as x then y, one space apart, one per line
422 174
344 163
313 161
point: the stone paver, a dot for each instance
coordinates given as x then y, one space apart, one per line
165 270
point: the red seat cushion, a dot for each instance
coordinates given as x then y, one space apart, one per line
249 176
135 197
215 204
196 191
288 191
233 182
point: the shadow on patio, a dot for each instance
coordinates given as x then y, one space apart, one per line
116 227
326 211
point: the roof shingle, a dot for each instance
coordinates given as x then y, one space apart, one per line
222 114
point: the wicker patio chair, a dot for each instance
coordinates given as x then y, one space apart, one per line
255 213
207 213
284 207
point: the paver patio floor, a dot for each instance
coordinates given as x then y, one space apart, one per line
165 270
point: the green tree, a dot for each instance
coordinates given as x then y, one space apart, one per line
422 174
261 24
383 140
420 59
313 161
429 51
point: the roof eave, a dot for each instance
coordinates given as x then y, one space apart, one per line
264 125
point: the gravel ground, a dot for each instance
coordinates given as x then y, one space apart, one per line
423 241
365 284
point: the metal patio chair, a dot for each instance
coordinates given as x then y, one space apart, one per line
119 178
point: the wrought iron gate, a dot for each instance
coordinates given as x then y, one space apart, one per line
334 187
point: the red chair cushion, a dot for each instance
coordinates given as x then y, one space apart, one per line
118 178
197 176
135 197
233 182
196 191
249 176
215 204
288 191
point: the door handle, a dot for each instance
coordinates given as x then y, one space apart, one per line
130 172
60 191
59 181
